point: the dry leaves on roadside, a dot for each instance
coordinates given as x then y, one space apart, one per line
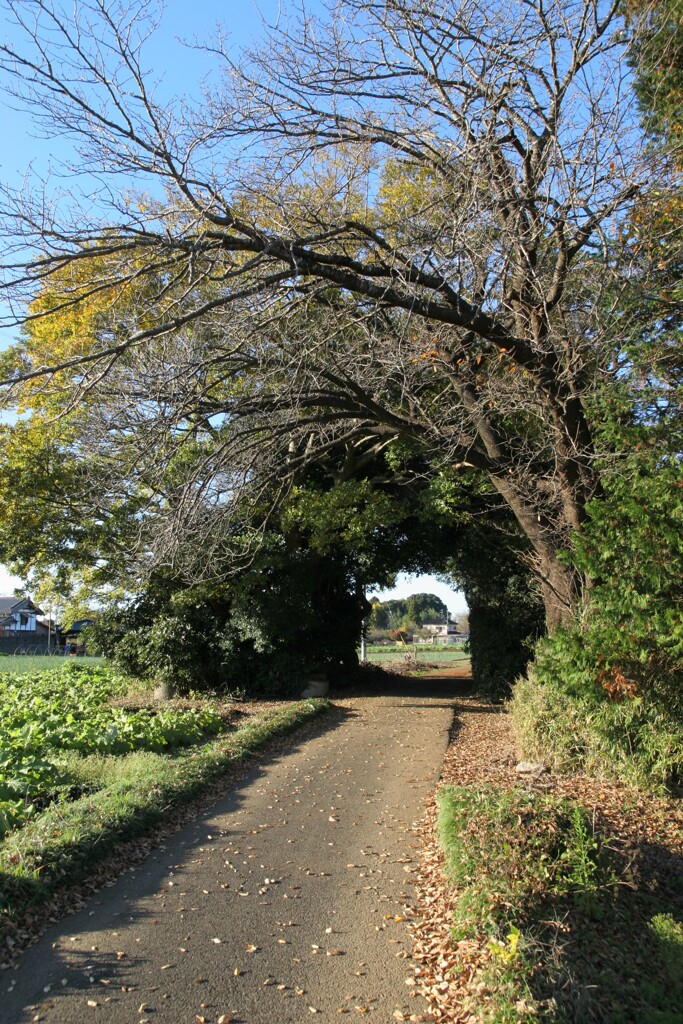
482 753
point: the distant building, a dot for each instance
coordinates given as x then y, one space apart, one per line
73 636
21 625
443 632
440 628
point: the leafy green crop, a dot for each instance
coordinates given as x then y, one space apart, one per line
69 708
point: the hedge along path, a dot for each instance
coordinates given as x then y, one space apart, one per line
288 900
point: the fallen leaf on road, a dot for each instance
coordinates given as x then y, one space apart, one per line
251 948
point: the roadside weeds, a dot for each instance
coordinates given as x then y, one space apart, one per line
564 901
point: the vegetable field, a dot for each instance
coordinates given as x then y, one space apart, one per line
50 718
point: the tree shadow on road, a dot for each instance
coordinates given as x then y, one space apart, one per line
31 900
374 682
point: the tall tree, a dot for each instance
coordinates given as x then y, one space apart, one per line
389 223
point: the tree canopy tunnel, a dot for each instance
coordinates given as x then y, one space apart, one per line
386 221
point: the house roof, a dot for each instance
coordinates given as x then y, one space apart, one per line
79 625
18 604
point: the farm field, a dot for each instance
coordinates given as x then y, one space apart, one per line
86 762
380 655
52 719
24 663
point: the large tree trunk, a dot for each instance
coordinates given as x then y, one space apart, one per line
560 590
561 586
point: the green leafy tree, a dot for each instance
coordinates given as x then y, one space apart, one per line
423 608
657 56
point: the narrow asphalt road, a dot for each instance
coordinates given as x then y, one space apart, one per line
286 902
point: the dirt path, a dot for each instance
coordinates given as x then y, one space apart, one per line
288 901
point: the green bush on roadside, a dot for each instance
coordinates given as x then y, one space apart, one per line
561 716
605 693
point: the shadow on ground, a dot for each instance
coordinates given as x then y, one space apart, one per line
618 952
61 879
442 685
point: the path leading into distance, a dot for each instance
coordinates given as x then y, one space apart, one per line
285 903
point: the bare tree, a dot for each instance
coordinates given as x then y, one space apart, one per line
394 221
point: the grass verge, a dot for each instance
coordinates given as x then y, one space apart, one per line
550 921
58 847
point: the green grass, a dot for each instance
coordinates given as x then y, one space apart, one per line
24 663
446 655
59 846
560 929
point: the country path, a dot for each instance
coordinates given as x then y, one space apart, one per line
286 902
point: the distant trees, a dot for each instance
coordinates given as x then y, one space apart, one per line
397 612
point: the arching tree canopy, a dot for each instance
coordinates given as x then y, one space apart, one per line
389 238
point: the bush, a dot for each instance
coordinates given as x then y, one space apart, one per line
262 632
605 694
579 728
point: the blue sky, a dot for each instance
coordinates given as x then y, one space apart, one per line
180 69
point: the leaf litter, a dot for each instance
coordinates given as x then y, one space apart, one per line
482 753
